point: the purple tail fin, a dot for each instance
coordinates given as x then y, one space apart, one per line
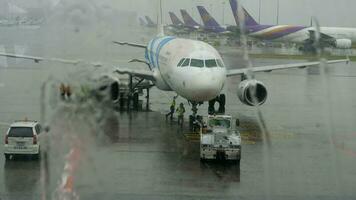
209 21
249 20
175 20
188 20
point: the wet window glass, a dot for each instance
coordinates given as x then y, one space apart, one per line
219 123
197 63
21 132
180 62
210 63
186 63
220 63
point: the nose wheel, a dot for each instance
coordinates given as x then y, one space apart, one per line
195 120
221 99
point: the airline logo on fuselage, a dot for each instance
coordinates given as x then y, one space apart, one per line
154 49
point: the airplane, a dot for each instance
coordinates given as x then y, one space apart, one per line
210 24
175 20
177 26
189 21
150 23
142 22
192 69
342 38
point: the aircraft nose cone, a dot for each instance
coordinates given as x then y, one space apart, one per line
205 87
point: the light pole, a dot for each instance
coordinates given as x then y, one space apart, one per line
277 12
223 12
259 12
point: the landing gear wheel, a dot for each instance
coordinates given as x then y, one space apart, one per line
36 156
7 156
211 109
222 102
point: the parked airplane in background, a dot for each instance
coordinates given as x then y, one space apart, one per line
175 20
177 26
341 38
189 21
142 22
210 24
150 23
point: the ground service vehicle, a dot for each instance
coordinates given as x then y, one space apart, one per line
220 140
23 138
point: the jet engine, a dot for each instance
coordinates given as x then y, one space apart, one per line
343 43
107 88
252 92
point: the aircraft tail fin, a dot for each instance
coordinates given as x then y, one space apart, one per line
188 20
175 20
142 22
248 19
208 20
149 21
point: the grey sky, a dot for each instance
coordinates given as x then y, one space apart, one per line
295 12
298 12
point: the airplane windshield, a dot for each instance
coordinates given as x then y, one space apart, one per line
220 63
210 63
197 63
180 62
186 63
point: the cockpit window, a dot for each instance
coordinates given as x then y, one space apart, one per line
220 63
186 62
210 63
197 63
180 62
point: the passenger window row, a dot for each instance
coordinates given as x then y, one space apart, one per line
186 62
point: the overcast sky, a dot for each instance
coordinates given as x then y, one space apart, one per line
294 12
298 12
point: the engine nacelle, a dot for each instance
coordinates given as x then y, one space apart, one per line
107 87
343 43
252 92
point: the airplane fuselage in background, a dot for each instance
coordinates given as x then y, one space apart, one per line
195 83
297 34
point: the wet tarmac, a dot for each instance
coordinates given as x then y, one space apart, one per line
139 155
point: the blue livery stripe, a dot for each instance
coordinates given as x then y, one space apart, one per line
162 43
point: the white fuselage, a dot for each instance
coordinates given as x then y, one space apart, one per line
196 84
280 33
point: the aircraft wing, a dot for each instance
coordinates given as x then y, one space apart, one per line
235 72
130 44
145 74
39 59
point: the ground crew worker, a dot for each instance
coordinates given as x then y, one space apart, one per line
68 91
172 108
181 111
62 91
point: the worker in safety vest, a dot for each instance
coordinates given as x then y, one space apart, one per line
181 111
172 108
62 91
68 91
